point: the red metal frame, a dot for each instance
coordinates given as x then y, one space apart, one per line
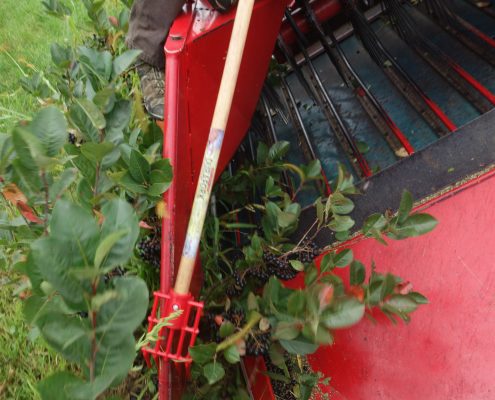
195 52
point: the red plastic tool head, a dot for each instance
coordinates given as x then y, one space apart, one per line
175 339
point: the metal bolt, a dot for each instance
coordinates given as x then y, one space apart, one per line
175 307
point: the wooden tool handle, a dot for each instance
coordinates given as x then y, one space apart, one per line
214 145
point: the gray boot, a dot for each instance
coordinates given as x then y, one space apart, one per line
153 88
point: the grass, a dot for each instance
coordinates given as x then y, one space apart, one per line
23 357
26 34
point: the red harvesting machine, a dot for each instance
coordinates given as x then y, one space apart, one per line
417 87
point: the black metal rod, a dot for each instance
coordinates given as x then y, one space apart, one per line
396 139
445 66
334 119
431 112
456 26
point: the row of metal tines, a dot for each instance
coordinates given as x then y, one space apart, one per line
279 101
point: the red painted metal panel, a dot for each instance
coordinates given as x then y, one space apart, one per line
195 53
447 350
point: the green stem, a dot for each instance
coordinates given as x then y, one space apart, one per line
231 340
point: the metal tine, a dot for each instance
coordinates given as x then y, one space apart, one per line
292 104
268 116
394 136
308 150
345 138
273 133
275 102
287 52
452 72
430 111
483 5
478 42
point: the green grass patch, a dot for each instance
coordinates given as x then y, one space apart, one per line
23 356
26 33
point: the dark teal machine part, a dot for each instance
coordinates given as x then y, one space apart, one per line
371 142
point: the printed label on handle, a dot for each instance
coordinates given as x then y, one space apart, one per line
203 191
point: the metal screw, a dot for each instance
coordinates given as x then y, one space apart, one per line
175 307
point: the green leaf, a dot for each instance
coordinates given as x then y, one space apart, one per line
345 182
157 189
341 223
119 216
278 150
213 372
403 304
203 353
30 150
285 219
139 168
130 184
226 329
357 273
113 361
406 204
276 353
61 56
299 346
80 121
92 113
105 99
100 299
97 64
416 225
124 61
388 285
286 331
344 312
117 120
327 262
67 335
96 151
50 127
165 168
272 190
343 258
296 303
341 204
231 354
69 247
58 386
106 245
313 169
418 298
323 336
374 222
310 275
66 179
121 315
261 153
297 265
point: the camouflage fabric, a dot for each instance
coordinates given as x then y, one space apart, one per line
153 88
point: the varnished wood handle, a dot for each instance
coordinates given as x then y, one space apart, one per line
214 145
